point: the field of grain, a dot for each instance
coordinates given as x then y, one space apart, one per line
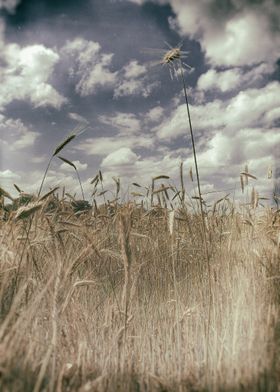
124 297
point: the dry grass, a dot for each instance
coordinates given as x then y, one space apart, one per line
119 301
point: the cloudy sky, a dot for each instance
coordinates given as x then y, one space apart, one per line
65 63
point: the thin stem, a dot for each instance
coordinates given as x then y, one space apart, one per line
80 184
46 171
206 250
193 145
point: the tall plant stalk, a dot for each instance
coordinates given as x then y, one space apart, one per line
57 150
77 172
206 250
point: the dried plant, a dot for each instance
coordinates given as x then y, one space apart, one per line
124 229
59 148
75 168
121 300
173 59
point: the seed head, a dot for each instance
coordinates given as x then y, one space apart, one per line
171 55
173 58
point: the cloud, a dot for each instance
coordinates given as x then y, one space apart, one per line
228 33
248 144
31 184
203 117
23 81
90 70
133 70
80 166
126 123
230 133
133 80
223 81
25 73
249 108
27 139
140 170
102 146
232 79
225 155
8 175
155 114
77 117
15 135
121 157
91 67
131 87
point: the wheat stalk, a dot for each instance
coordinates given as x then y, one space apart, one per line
171 58
124 229
57 151
76 170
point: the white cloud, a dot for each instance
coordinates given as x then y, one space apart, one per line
225 155
91 67
133 70
15 134
230 133
80 166
77 117
31 184
27 139
134 87
249 108
228 32
203 117
133 80
272 115
232 79
121 157
102 146
126 123
8 175
86 50
257 72
25 73
241 33
248 144
253 106
100 75
142 170
129 87
91 70
224 81
155 114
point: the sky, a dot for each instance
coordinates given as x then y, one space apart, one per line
66 64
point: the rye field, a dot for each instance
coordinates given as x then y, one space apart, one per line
139 295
